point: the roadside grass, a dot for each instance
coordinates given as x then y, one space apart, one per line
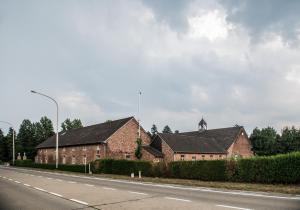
274 188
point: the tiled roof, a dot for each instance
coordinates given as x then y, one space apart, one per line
87 135
207 141
153 151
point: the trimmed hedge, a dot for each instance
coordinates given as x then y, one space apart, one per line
122 167
207 170
270 169
266 169
62 167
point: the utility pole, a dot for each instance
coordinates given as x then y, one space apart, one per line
140 93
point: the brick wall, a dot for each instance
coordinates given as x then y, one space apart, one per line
123 142
241 146
167 151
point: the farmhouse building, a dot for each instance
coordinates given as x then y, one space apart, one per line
112 139
117 139
204 144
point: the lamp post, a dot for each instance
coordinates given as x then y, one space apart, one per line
13 159
52 99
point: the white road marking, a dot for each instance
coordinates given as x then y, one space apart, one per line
177 199
4 177
295 197
40 189
27 185
49 178
10 179
90 185
139 193
232 207
56 194
59 180
72 182
109 188
78 201
17 182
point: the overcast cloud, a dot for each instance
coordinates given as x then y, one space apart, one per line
230 62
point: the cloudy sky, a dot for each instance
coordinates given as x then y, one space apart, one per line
232 62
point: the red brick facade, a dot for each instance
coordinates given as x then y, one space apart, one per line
120 145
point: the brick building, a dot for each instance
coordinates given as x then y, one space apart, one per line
117 139
112 139
204 144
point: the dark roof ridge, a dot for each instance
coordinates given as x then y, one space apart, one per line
212 129
108 121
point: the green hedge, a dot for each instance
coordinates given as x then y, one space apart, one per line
62 167
207 170
122 167
270 169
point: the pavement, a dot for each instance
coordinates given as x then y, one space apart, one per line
37 189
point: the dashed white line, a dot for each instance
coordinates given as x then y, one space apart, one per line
78 201
49 178
59 180
10 179
40 189
108 188
232 207
17 182
27 185
177 199
139 193
90 185
56 194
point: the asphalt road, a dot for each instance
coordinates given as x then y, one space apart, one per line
32 189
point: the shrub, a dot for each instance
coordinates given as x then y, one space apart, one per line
30 163
271 169
122 167
207 170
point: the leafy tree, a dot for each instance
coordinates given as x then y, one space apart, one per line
2 149
290 140
264 141
68 124
176 131
167 129
43 130
26 137
153 130
138 150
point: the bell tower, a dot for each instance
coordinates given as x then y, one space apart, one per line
202 126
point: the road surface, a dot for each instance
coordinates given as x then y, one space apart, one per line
33 189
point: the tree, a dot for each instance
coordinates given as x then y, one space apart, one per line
43 130
290 140
138 150
68 124
26 137
153 130
2 149
167 129
176 131
264 141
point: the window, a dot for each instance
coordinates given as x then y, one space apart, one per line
220 156
73 160
127 156
64 159
211 156
46 159
46 150
193 157
181 157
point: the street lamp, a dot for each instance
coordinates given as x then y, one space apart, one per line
52 99
13 139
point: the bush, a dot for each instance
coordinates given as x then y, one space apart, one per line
122 167
206 170
272 169
30 163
